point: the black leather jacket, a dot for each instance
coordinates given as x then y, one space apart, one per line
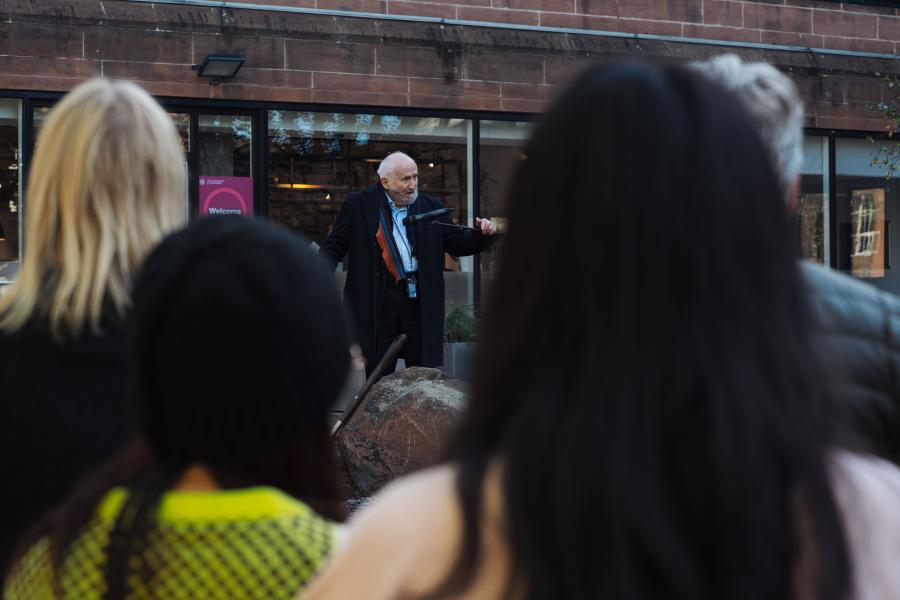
857 326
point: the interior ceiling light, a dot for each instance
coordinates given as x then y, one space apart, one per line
299 186
219 67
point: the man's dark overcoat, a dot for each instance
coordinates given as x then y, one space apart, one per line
354 232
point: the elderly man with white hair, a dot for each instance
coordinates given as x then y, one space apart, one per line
395 280
857 325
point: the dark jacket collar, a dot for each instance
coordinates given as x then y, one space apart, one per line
375 197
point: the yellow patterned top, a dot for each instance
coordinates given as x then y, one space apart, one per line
248 543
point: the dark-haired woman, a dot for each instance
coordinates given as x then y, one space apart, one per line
649 419
240 348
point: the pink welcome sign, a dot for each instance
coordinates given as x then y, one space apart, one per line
226 196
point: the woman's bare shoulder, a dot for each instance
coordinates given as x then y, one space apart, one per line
402 542
868 493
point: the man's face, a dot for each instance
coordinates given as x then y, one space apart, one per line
402 184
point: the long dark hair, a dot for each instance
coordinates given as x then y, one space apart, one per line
645 375
239 347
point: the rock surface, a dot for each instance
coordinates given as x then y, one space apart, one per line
401 426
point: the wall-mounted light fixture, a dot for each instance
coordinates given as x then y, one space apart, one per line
219 67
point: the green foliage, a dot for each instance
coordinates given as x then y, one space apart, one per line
460 323
886 155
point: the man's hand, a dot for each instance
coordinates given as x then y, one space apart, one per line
486 225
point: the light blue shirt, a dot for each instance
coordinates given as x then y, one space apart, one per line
403 246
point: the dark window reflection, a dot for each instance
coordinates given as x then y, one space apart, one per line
811 194
866 214
502 151
225 143
10 208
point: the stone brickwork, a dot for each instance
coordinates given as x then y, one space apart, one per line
808 23
325 58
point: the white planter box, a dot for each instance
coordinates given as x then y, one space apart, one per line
459 360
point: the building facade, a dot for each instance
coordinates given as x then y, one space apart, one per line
329 87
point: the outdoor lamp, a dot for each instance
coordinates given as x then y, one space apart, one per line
219 66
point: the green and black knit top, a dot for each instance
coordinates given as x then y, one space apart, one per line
247 543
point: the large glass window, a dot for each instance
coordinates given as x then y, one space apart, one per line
317 159
10 193
501 151
866 203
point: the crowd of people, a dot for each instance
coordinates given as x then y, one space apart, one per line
666 403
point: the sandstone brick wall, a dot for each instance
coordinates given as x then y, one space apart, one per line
327 59
808 23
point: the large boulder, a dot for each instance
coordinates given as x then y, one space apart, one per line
401 427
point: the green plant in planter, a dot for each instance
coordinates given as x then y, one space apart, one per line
460 324
886 154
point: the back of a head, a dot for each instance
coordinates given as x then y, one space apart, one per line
773 100
240 344
657 409
106 184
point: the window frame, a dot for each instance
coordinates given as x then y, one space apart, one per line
259 113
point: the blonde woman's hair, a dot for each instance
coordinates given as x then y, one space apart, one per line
106 184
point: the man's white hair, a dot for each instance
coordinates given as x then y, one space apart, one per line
390 162
774 102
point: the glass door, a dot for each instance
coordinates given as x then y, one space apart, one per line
224 182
